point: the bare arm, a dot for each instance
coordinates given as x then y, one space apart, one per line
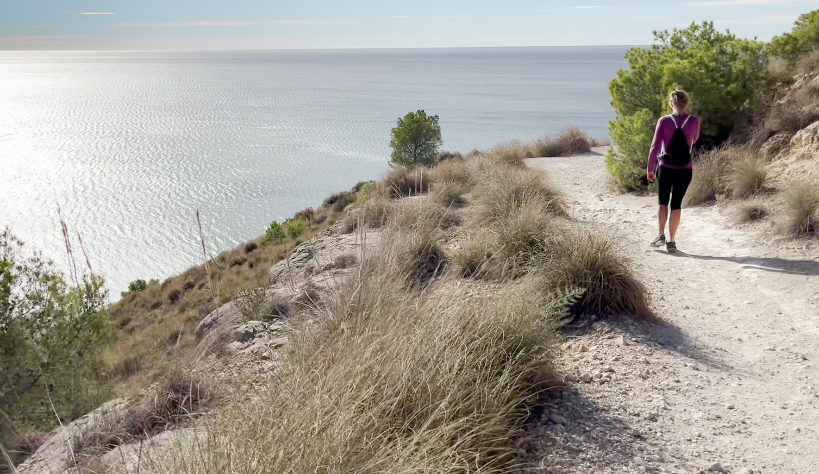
655 146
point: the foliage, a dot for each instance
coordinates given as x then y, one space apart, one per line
295 227
803 38
633 134
721 72
274 233
51 337
364 193
416 140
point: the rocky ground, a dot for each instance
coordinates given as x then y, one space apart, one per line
727 381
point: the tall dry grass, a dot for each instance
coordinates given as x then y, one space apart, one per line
389 381
747 177
802 207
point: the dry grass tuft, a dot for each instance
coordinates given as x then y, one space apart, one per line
449 194
802 206
571 141
593 264
454 171
510 154
503 190
708 177
472 260
373 214
404 182
747 177
390 382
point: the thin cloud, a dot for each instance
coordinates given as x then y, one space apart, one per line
197 24
541 11
400 17
95 13
739 3
459 16
767 20
593 7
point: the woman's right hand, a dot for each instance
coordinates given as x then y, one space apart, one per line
650 175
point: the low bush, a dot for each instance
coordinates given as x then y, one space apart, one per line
404 182
273 234
802 206
520 240
571 141
295 227
365 192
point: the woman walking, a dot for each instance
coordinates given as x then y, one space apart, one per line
670 159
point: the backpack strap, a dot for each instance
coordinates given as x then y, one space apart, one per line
672 119
686 121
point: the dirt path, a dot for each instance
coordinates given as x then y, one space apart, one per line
730 377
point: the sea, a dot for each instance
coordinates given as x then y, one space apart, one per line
126 147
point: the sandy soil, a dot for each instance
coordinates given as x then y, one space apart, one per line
730 375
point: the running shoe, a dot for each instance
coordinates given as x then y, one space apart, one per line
671 247
659 241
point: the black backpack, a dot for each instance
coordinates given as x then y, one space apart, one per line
678 152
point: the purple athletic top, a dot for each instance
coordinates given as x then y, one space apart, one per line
665 130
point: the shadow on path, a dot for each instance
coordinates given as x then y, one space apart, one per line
778 265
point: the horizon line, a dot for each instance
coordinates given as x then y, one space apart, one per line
382 48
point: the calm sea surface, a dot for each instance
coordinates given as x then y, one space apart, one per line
129 145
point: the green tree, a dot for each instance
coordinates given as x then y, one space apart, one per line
416 140
721 72
51 337
803 38
274 233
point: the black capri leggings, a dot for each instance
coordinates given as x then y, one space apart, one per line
672 184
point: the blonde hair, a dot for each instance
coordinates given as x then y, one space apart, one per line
679 98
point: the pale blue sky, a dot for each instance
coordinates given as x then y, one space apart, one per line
250 24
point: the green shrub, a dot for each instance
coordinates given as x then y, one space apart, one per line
295 227
365 191
52 333
627 162
735 68
416 139
273 234
802 38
